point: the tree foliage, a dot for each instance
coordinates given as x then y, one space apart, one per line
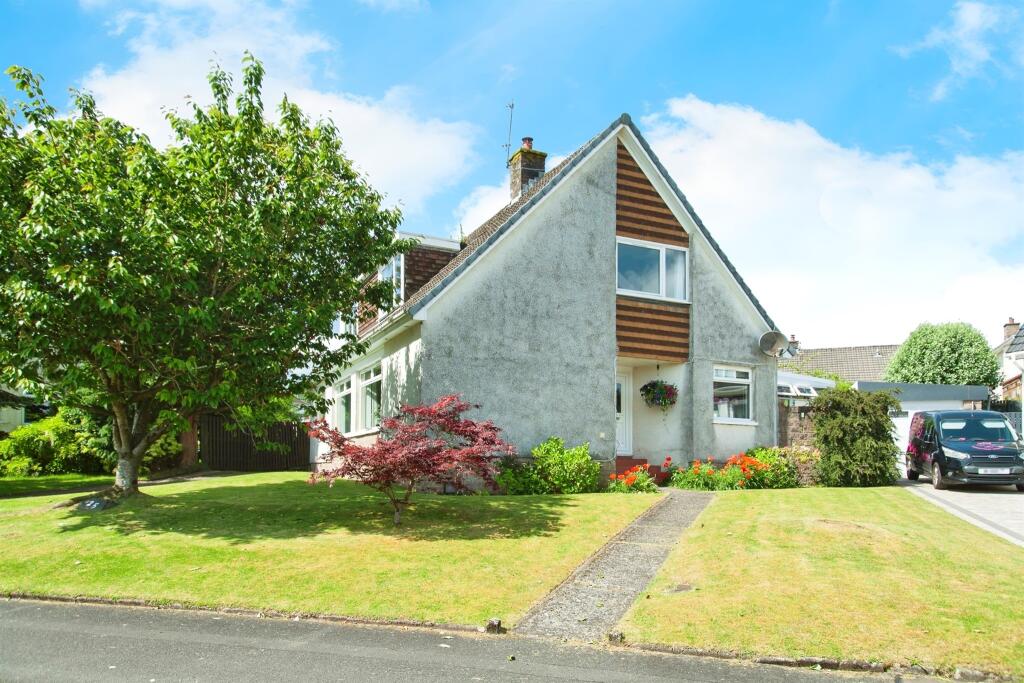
949 353
150 286
853 431
429 443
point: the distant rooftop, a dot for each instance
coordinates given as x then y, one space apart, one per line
852 363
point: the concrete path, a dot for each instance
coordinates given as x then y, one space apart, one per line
595 597
66 642
998 509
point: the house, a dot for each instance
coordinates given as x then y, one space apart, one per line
852 363
795 390
1010 354
596 278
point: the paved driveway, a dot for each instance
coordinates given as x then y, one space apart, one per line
999 509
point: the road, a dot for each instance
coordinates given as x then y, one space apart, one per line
62 642
998 509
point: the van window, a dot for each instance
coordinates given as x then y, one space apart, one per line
976 429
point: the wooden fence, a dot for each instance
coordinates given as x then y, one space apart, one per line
239 451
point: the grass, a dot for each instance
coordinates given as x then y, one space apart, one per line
875 574
271 541
20 486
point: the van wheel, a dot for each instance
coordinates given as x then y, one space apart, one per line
913 475
1020 487
937 481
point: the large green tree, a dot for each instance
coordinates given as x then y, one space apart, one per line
949 353
149 286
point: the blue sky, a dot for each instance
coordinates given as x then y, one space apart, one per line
820 141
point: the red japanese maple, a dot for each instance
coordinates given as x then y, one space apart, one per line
420 444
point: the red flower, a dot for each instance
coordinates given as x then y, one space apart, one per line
630 480
612 476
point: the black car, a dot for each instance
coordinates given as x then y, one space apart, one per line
965 447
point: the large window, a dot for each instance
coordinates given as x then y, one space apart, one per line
343 405
732 392
369 397
650 269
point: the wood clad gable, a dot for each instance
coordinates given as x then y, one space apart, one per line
656 330
640 212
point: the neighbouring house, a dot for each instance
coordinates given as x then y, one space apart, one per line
595 279
851 363
796 390
1010 354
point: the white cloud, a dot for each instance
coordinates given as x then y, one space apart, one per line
969 41
844 246
172 45
395 5
481 203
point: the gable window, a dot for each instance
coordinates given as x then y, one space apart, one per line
392 272
343 406
369 398
732 394
652 270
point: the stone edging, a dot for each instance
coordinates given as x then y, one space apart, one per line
957 673
241 611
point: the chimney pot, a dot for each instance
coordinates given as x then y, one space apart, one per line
1011 328
527 143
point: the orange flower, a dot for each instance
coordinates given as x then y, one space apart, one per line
612 476
630 480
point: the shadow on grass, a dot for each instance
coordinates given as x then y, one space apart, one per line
295 509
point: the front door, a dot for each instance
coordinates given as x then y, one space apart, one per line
623 414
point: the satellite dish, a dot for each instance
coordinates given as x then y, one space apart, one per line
772 342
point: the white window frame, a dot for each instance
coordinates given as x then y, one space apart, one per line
749 381
399 289
345 387
662 249
362 383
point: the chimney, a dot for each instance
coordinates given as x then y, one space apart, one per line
525 166
1010 329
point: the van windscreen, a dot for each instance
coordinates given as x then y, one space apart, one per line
976 429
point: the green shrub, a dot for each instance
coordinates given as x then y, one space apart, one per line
163 455
566 470
554 469
853 431
778 472
16 466
48 446
517 478
806 461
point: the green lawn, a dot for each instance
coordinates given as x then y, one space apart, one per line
20 486
874 574
271 541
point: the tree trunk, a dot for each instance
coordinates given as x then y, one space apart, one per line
189 441
398 515
126 478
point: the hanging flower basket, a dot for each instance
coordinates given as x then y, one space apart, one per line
660 394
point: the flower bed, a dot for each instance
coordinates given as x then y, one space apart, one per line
636 479
768 470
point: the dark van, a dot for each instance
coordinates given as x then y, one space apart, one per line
965 447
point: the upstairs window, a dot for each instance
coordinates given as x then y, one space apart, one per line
393 272
651 270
